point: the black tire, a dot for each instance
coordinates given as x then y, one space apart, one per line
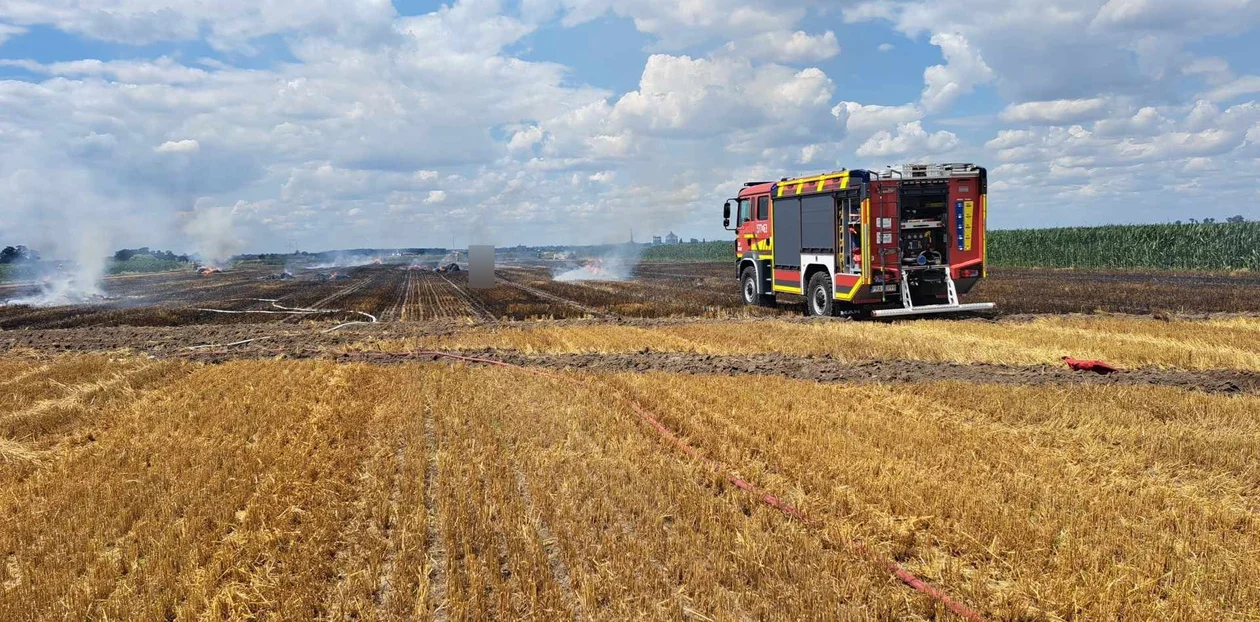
820 301
748 289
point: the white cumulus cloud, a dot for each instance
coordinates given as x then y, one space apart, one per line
1057 112
963 70
308 112
861 120
179 146
784 47
910 139
8 30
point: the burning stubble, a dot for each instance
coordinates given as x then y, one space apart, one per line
616 264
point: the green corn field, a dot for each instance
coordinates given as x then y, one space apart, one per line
1210 246
720 250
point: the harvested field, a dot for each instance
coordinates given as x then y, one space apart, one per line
234 447
318 489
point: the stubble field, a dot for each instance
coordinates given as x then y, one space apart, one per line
649 451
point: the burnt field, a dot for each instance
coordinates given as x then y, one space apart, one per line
393 294
382 293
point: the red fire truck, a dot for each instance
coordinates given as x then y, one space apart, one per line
892 243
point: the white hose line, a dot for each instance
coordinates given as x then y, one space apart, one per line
263 312
283 311
302 310
292 311
341 326
226 345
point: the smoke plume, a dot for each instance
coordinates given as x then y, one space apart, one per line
615 264
347 260
69 223
212 230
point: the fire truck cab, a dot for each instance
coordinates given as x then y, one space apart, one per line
897 242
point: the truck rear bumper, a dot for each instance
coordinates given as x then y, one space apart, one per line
932 309
908 307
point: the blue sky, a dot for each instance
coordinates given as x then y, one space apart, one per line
348 123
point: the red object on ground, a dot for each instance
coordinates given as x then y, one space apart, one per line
1098 367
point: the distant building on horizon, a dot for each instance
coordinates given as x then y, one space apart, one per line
656 240
671 238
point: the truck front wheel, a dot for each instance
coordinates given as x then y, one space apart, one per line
819 301
748 288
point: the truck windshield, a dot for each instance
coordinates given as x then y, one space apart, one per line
745 210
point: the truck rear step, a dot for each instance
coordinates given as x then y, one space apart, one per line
908 308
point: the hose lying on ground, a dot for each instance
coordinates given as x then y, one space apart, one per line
227 345
288 310
282 311
856 546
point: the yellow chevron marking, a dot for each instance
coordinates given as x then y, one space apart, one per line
850 294
819 181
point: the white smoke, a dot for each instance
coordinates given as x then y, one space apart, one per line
69 223
347 260
449 258
75 283
615 264
214 234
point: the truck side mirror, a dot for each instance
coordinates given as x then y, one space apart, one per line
726 223
726 211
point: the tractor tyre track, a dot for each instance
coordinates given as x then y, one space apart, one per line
471 301
436 554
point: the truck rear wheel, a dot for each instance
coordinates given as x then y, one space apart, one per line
819 300
748 289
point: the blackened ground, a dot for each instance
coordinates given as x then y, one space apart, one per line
1040 290
394 294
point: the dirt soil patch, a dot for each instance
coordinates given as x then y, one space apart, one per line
827 370
220 343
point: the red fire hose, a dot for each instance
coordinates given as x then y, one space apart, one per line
857 546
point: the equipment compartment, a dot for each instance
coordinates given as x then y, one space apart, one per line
924 212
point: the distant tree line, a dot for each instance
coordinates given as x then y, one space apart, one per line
127 253
17 254
1233 220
